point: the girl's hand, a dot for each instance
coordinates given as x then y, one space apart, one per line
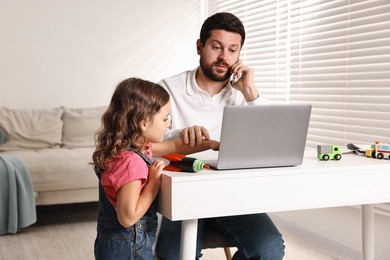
155 172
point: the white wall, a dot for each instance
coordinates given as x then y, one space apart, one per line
74 52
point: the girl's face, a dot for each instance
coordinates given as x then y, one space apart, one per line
155 128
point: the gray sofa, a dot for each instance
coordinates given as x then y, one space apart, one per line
56 146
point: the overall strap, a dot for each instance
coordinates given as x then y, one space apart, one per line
143 156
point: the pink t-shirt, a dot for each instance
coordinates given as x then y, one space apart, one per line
127 166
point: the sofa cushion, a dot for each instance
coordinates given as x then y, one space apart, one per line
30 128
59 168
80 126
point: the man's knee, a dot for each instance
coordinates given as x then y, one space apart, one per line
270 247
275 248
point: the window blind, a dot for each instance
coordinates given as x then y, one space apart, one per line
334 55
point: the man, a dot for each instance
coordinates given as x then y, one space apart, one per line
198 98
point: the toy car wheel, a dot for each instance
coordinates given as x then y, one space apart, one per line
380 156
337 157
325 157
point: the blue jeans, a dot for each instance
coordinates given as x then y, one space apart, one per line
114 242
255 237
134 243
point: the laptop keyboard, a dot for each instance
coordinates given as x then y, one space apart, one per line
211 163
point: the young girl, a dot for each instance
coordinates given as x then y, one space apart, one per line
133 128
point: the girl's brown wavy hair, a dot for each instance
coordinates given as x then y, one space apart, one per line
133 100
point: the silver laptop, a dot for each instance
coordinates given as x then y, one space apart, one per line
262 136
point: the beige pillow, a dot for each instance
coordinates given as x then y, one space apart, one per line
31 128
80 126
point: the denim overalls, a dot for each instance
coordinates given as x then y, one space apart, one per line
115 242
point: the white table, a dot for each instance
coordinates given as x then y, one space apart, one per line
354 180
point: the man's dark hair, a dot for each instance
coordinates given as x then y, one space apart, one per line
224 21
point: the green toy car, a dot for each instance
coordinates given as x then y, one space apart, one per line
329 152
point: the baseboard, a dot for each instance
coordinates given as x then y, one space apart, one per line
318 238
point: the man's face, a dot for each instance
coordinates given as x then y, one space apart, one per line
220 52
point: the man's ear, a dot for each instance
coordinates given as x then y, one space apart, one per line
199 46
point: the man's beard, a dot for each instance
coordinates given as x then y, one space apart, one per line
209 72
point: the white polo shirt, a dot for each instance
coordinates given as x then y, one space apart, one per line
190 105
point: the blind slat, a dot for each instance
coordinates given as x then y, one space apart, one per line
334 55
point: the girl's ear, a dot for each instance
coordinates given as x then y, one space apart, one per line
144 124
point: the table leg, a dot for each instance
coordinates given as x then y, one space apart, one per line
368 228
189 232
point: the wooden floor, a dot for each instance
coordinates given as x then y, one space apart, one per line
68 231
